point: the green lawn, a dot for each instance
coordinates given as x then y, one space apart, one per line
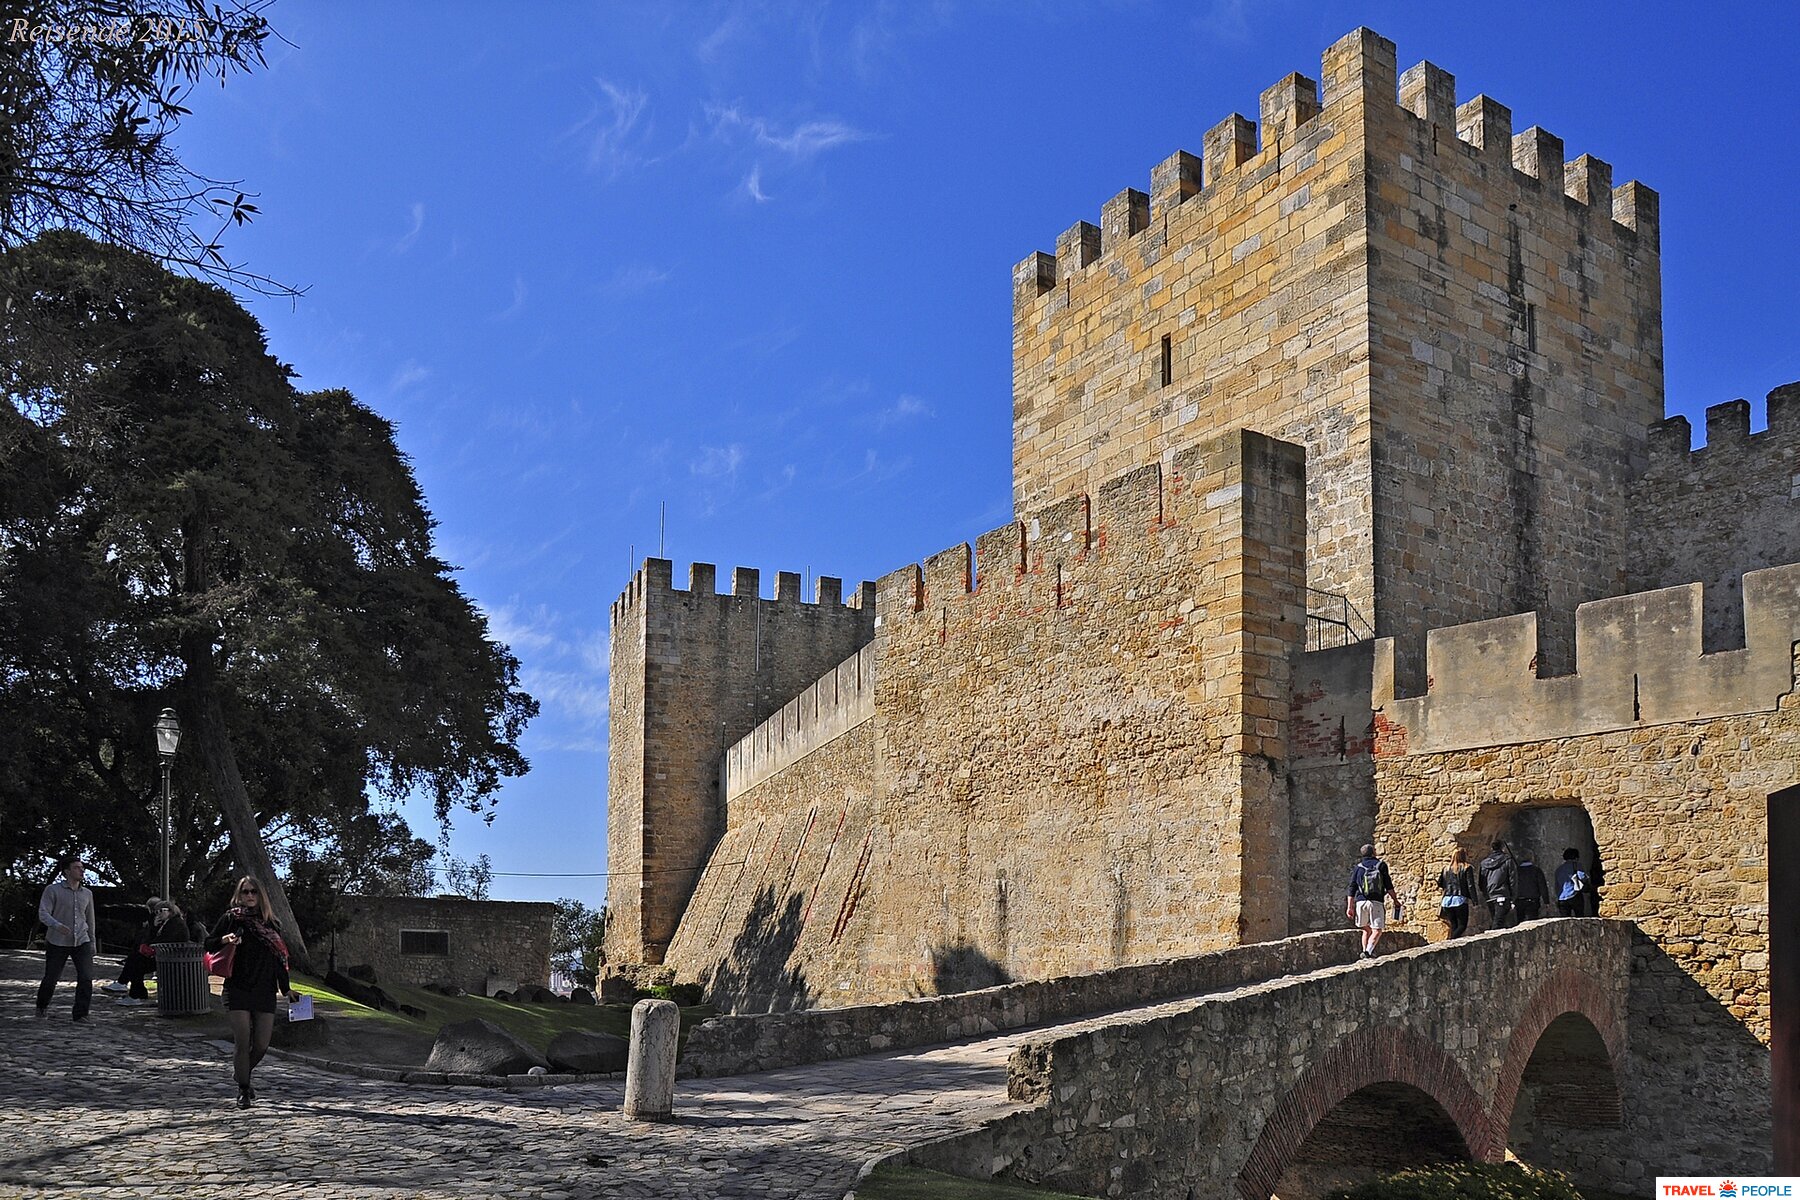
912 1183
362 1034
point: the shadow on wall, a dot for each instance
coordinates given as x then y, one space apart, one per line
960 967
754 975
1690 1055
1382 1128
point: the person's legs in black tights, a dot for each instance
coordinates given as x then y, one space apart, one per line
250 1034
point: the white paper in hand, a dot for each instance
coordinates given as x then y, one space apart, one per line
301 1009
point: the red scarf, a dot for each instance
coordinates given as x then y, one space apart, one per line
263 931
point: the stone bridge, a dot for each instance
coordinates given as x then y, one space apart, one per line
1507 1041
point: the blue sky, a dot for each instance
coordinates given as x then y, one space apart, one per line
753 260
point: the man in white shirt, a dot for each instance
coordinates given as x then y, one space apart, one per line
67 911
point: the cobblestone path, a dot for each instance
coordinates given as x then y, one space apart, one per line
124 1107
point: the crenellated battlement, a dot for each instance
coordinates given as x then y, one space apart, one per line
1358 70
1638 661
657 575
1727 429
1192 490
842 699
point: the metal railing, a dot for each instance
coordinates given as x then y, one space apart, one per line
1332 621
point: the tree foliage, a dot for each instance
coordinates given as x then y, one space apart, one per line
92 96
576 935
179 523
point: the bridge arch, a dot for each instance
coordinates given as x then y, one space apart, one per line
1565 1054
1370 1059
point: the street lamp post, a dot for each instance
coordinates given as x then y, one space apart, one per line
168 737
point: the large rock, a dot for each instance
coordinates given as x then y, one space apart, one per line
588 1053
300 1035
617 989
480 1047
581 996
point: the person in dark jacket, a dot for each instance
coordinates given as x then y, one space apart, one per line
1534 890
1496 884
259 969
1458 883
165 925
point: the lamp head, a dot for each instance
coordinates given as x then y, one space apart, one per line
168 734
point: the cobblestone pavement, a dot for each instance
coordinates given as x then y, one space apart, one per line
125 1107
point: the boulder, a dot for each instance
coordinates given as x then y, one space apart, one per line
300 1035
503 997
480 1047
588 1053
366 994
617 989
581 996
363 972
493 986
413 1010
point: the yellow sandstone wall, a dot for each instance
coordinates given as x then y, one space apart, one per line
1071 764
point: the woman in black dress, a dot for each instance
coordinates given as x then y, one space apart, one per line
259 969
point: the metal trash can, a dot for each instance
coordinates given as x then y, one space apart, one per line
181 985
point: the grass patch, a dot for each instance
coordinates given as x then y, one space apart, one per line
360 1033
914 1183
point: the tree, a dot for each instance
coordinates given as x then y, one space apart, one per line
463 878
93 96
576 935
207 534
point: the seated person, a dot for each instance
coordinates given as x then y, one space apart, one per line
165 925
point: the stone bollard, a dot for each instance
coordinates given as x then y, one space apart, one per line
650 1071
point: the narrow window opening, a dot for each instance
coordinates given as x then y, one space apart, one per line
1168 361
1531 327
435 942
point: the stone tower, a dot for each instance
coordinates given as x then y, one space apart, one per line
692 672
1462 329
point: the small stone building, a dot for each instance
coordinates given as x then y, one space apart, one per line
446 939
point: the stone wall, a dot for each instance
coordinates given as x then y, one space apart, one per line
692 672
1516 363
1463 330
1254 268
731 1045
488 939
1713 513
1071 765
1669 757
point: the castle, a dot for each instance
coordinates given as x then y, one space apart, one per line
1345 511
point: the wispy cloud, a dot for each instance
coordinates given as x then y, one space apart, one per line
572 694
717 462
636 277
906 408
412 233
801 142
409 373
753 185
615 129
520 291
565 669
810 138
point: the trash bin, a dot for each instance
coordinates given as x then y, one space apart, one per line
181 985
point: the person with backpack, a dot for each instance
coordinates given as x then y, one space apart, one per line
1366 901
1497 883
1573 887
1458 883
1533 892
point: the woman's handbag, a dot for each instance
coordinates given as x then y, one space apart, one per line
220 964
